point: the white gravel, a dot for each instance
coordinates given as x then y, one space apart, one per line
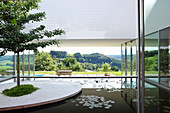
49 90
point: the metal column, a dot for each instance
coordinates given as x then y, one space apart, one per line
14 66
29 63
23 65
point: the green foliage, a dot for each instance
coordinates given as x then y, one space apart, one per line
14 15
105 67
151 53
95 58
5 68
26 65
114 68
151 63
58 54
72 64
44 62
164 61
76 67
22 90
69 61
61 66
77 56
89 66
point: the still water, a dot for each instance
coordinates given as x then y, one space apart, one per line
73 105
107 96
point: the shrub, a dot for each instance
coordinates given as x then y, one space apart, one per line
20 91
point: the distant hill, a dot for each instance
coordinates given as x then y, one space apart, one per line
94 58
97 58
115 56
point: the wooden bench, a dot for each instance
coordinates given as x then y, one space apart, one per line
64 72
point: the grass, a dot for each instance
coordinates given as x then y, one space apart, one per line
95 72
22 90
100 72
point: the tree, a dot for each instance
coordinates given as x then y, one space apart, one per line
105 67
58 54
69 61
114 68
44 62
14 15
77 56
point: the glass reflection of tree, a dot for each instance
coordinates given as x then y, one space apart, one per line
164 61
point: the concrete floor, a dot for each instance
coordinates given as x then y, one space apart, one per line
50 91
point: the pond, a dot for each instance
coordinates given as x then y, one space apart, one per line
106 95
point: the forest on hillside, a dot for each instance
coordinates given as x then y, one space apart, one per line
77 61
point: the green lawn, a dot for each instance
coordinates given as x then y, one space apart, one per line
99 72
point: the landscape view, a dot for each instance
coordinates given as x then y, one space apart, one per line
94 63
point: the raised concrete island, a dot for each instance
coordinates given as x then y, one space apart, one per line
49 92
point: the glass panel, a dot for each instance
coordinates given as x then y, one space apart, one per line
151 56
26 62
123 59
31 62
156 99
128 58
134 58
164 56
6 65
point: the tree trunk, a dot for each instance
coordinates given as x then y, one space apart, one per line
18 70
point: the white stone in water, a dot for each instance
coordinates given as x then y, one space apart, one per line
107 107
77 104
100 103
93 101
98 89
81 102
112 102
90 107
84 104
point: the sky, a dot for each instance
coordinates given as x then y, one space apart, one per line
85 50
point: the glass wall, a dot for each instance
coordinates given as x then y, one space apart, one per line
151 56
164 58
7 64
134 58
31 62
129 59
27 63
156 99
157 40
123 60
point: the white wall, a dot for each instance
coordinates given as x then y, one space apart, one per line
157 15
91 19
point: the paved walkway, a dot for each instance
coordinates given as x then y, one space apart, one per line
50 91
